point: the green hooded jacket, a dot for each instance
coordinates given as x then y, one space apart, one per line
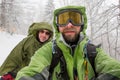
40 62
20 56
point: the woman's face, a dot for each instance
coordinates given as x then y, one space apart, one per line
43 35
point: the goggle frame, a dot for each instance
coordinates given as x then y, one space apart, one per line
69 20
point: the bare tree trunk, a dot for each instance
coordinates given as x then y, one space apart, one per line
3 20
117 52
108 40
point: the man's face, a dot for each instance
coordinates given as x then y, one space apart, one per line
43 35
70 32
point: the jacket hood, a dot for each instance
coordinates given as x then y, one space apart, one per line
79 8
35 27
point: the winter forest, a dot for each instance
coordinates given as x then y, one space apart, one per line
103 19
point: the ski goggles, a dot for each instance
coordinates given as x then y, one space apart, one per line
72 16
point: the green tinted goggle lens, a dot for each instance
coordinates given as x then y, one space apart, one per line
73 16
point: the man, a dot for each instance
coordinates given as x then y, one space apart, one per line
39 34
70 23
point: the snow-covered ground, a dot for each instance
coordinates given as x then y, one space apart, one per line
7 43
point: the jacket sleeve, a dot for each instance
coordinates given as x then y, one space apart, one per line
13 60
39 64
106 67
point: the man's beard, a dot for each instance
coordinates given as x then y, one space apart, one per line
71 39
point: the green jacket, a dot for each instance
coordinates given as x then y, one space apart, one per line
40 62
20 56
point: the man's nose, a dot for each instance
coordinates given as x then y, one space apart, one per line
69 25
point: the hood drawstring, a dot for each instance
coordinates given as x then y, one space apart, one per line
86 69
86 62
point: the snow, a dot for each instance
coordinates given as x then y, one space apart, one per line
7 43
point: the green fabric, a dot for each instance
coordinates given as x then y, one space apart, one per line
20 56
38 26
43 57
106 64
